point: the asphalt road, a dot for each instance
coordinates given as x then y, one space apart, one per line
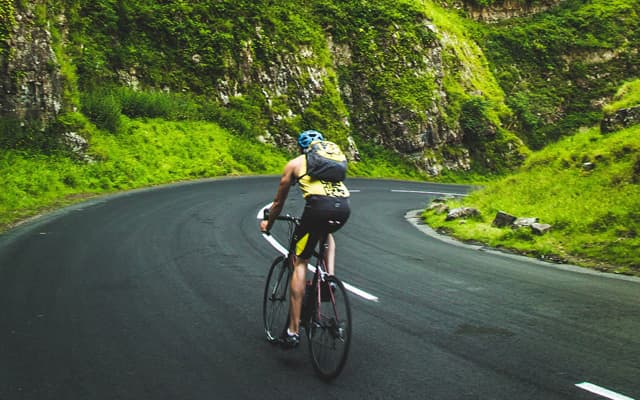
157 294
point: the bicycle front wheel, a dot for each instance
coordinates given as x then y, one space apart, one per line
329 330
275 305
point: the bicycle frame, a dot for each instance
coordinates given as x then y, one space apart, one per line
319 270
325 313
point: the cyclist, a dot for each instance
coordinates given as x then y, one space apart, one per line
326 210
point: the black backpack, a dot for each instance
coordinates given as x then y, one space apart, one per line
326 161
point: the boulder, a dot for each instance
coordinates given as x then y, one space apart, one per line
438 208
540 229
524 222
461 212
503 219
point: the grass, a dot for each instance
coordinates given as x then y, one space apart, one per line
627 96
594 213
475 71
145 153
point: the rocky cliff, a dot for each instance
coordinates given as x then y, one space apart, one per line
30 78
501 10
372 72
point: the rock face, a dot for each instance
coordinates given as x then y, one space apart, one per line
510 9
358 90
30 79
409 131
620 119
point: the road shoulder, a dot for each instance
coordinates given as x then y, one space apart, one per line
413 217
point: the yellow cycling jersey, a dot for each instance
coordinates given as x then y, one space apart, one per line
310 186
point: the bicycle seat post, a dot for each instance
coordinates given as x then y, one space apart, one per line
324 243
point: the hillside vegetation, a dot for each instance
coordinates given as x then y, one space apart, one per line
147 152
587 186
158 92
558 67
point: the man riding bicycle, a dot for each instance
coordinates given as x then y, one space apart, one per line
326 210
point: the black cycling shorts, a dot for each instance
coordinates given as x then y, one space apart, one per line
321 215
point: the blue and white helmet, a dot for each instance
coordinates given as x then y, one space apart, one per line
306 137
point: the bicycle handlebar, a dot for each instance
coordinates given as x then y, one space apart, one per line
289 218
286 217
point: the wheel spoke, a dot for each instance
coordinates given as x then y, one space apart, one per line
330 332
275 307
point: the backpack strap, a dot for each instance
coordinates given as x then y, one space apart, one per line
305 170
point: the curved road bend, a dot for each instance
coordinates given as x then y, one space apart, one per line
156 294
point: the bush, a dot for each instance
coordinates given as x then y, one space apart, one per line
155 104
474 121
103 108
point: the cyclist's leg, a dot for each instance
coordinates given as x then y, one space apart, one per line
297 287
304 241
336 219
330 254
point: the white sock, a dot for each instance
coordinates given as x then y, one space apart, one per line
290 333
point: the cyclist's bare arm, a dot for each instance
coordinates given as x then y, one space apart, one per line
288 178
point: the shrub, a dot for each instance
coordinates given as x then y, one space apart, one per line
103 108
156 104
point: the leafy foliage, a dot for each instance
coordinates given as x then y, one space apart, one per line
151 152
557 66
103 108
7 21
488 3
555 186
627 96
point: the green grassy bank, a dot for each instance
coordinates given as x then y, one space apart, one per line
586 186
147 152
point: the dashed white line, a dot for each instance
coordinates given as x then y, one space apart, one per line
426 192
283 250
599 390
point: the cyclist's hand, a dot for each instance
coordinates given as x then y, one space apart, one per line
264 227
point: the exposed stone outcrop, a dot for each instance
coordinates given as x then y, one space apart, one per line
419 133
30 79
510 9
360 88
295 77
621 119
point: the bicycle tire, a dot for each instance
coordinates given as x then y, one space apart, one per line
275 305
329 332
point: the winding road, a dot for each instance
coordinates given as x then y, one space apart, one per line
157 294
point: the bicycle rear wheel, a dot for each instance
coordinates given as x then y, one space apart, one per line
329 330
275 305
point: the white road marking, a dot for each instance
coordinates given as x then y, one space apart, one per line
359 292
283 250
425 192
275 244
609 394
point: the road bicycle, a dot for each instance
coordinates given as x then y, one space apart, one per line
326 314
